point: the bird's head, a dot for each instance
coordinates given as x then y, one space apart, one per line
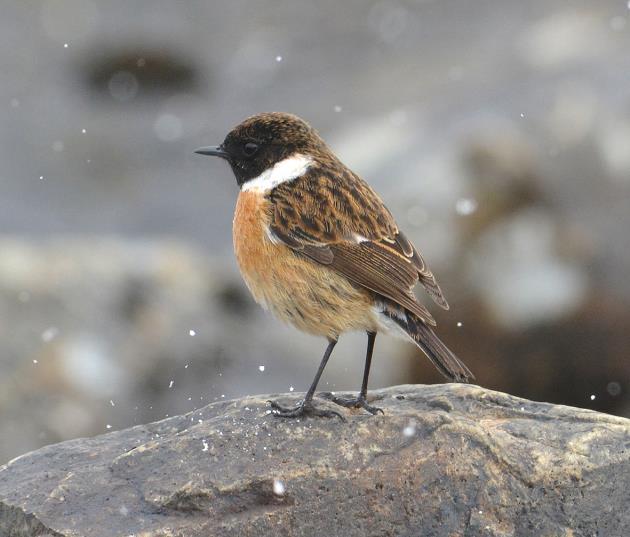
260 142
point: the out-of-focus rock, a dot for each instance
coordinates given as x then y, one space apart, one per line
442 460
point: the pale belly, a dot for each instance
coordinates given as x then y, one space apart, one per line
297 290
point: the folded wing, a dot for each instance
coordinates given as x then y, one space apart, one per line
344 225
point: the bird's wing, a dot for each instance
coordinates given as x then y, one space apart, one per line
344 225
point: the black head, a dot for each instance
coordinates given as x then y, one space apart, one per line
261 141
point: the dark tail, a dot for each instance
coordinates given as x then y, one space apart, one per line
447 363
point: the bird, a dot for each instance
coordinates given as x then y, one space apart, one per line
317 247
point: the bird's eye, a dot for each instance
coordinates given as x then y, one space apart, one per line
250 148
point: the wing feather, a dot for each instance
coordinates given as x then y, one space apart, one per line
343 224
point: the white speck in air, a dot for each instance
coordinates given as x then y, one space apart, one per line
111 402
205 445
613 388
222 396
65 45
83 131
291 388
168 127
465 206
278 58
337 108
593 397
192 332
522 115
261 368
108 426
459 324
35 362
41 177
170 384
410 429
186 366
49 334
278 487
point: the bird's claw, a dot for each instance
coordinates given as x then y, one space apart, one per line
302 409
351 402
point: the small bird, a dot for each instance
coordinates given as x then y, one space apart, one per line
318 248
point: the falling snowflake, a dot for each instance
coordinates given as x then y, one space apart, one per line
192 333
278 487
410 429
261 368
49 334
465 206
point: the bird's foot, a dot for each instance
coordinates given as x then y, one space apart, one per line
302 409
351 402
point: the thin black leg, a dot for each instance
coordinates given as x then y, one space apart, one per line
368 364
305 407
361 400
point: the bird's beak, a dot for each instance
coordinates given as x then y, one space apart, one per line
213 151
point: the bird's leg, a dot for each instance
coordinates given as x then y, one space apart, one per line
360 401
306 407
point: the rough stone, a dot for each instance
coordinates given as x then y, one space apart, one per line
442 460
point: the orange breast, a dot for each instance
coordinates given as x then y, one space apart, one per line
297 290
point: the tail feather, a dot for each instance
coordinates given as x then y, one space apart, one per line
440 355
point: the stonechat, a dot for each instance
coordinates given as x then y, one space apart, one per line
318 248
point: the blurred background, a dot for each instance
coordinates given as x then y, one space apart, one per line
497 131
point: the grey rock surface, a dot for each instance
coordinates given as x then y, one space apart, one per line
442 460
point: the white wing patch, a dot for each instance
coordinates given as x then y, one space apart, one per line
286 170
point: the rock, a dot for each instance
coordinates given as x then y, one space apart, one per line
442 460
96 333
